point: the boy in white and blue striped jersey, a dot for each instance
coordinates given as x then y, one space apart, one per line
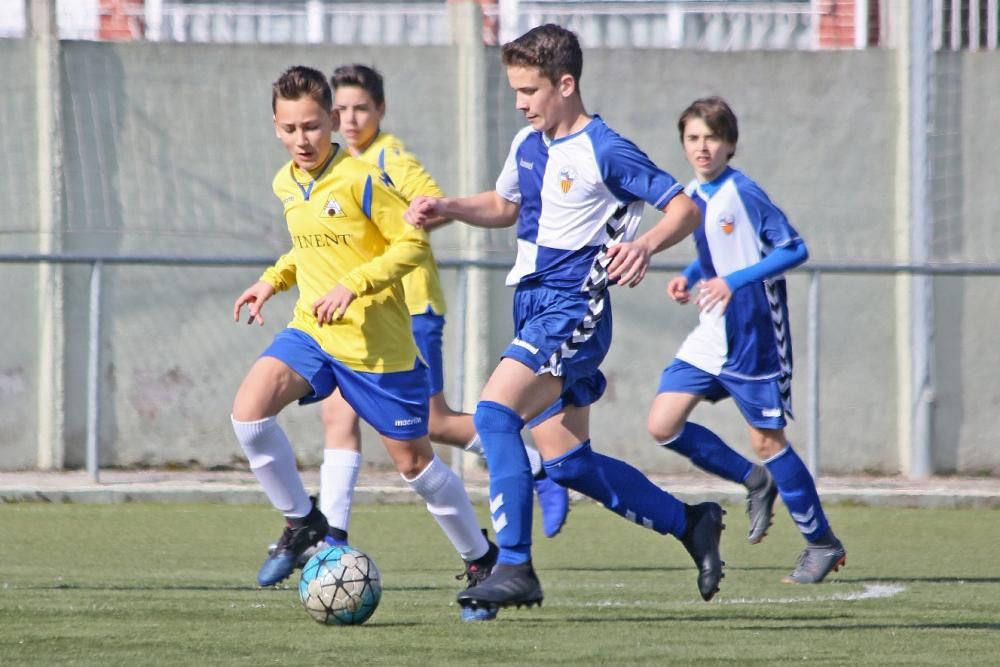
741 347
576 189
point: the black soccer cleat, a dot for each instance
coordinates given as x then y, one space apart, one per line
701 539
760 510
507 585
476 571
299 537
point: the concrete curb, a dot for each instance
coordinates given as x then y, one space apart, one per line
167 488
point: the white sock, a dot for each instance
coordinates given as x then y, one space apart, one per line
337 477
449 503
273 462
475 446
535 459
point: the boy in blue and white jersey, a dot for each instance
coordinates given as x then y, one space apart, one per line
742 346
576 189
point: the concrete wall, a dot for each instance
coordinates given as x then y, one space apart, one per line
169 149
18 232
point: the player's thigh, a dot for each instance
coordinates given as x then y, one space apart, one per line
668 413
518 387
268 387
562 431
341 429
409 456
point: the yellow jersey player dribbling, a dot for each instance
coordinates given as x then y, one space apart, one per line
350 329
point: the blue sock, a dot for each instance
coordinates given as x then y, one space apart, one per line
710 453
798 492
499 429
619 487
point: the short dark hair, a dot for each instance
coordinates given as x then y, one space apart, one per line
717 114
300 81
362 76
552 49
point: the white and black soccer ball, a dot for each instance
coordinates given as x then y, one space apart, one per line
340 586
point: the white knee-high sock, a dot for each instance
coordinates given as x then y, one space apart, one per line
273 462
337 477
448 502
475 446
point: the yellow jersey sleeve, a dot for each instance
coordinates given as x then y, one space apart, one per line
422 286
407 245
281 275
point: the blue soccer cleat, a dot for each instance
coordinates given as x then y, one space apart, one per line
553 500
300 536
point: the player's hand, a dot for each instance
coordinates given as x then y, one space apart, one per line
254 297
677 289
629 262
713 293
332 305
423 210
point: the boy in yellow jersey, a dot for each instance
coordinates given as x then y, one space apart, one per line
350 330
359 100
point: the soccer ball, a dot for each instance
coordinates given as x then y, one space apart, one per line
340 586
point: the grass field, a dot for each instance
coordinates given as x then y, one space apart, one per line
174 585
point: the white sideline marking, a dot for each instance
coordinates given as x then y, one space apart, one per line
871 592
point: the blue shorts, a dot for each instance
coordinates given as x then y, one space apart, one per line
555 332
395 404
428 331
758 400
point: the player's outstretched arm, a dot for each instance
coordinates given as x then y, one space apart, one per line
487 209
254 298
630 260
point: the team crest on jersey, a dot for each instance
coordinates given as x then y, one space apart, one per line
727 221
331 209
566 178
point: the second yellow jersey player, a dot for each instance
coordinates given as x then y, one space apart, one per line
405 173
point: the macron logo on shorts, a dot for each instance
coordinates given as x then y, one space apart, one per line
771 412
407 422
526 345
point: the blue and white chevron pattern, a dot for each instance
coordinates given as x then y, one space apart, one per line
783 340
596 286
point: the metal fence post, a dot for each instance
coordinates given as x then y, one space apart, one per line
94 373
458 326
812 443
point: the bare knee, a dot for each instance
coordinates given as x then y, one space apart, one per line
664 431
411 457
668 415
767 442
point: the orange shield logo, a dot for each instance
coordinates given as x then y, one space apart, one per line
727 222
566 178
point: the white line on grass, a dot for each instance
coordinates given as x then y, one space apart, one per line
871 592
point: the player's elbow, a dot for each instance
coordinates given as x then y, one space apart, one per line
801 253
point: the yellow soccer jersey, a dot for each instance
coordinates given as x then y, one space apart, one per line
347 227
423 284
